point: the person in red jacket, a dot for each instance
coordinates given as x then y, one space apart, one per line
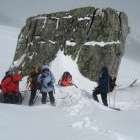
10 87
66 79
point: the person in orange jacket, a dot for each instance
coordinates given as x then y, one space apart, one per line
66 79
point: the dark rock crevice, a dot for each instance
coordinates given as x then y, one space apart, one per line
92 20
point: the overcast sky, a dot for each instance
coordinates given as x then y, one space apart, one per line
15 12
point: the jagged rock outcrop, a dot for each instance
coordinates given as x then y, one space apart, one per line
94 37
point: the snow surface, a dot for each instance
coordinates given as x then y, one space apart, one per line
40 18
44 24
57 23
99 12
76 116
20 60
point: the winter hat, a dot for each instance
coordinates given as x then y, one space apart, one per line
8 73
15 69
45 67
104 71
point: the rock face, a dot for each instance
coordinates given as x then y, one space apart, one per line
94 37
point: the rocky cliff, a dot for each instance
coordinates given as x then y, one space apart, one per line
93 37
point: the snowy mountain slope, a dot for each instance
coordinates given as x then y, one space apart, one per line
76 116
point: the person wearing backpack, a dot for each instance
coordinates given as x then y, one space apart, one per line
10 86
66 79
32 83
46 80
103 86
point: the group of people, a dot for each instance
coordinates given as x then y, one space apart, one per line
42 79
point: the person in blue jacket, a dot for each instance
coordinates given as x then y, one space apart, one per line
46 81
103 86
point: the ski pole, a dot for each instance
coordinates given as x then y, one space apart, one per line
115 91
75 85
36 97
109 99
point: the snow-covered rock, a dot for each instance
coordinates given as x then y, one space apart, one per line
75 32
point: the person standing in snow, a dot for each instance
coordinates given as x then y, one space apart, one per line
10 86
103 86
32 83
46 81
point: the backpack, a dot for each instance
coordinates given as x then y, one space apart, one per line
66 79
32 81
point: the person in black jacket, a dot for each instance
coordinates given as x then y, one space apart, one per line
104 86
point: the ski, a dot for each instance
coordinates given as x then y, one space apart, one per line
132 84
62 97
115 108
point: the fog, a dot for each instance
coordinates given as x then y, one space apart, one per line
16 11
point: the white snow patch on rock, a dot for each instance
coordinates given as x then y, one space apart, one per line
70 43
85 18
57 23
101 44
20 60
52 42
31 56
69 16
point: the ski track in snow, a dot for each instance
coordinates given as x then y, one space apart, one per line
75 103
86 123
